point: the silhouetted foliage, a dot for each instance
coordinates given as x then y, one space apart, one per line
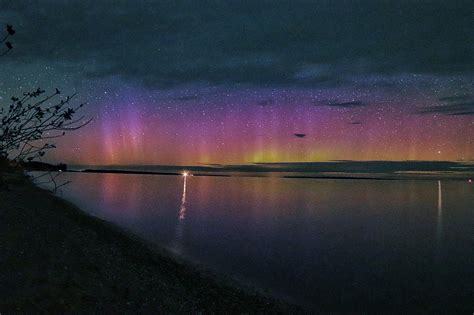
29 122
9 46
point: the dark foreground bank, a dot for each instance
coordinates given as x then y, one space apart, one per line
55 258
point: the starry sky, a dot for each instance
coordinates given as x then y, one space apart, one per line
203 82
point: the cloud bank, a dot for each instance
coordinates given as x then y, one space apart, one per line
323 43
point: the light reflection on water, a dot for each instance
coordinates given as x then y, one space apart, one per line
327 243
177 246
439 222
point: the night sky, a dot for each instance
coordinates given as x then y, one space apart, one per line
190 82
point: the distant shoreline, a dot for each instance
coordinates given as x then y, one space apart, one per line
295 175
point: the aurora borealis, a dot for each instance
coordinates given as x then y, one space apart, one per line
230 127
182 83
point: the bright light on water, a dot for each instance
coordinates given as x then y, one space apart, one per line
296 236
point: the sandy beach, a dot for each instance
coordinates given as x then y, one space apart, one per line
56 258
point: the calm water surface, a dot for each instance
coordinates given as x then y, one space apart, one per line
332 244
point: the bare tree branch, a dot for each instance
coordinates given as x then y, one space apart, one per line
34 117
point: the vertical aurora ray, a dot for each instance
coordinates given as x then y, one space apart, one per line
220 82
231 126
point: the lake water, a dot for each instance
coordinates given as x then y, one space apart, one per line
329 244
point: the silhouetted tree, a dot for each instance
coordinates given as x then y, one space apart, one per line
29 122
9 32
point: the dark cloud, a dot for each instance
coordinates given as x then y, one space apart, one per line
356 123
299 135
464 113
186 98
265 102
453 98
452 109
348 104
274 42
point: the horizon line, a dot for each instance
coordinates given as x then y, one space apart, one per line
274 163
